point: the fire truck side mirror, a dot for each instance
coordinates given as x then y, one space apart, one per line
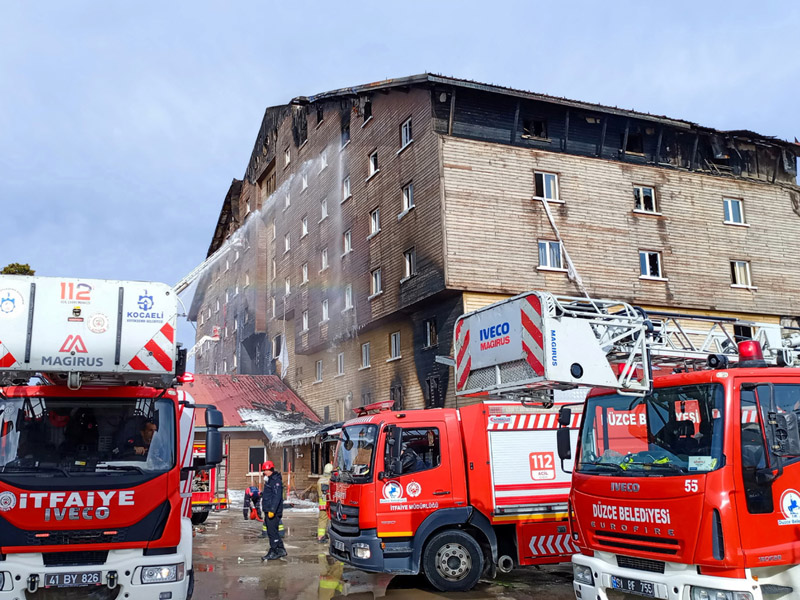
564 416
391 459
214 421
563 443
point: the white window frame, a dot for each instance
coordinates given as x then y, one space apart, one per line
346 188
375 283
348 296
324 259
372 166
547 266
545 175
304 181
323 209
736 266
646 255
394 346
325 315
726 204
304 227
407 195
273 229
347 242
340 363
274 268
287 157
288 285
374 223
287 201
641 208
287 243
304 271
406 134
246 279
323 160
305 321
318 372
274 307
409 263
365 356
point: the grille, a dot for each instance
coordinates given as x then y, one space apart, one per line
518 370
344 519
90 536
641 564
70 559
614 541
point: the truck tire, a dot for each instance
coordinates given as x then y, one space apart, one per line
452 561
190 586
199 517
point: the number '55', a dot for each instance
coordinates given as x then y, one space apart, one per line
690 485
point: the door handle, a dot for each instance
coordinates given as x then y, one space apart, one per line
440 493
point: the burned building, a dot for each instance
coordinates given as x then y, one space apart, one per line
369 218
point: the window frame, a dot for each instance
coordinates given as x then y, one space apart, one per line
348 297
431 333
375 283
748 271
373 167
544 175
366 360
549 267
647 254
407 199
406 134
304 273
653 194
374 222
347 242
340 364
409 263
304 321
318 372
324 259
346 192
304 226
395 352
726 200
325 313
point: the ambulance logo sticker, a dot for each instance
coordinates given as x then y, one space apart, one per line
790 507
392 492
413 489
11 302
7 501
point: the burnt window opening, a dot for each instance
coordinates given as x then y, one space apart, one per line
434 392
635 144
742 333
534 128
396 396
367 110
366 398
326 415
431 339
320 114
345 133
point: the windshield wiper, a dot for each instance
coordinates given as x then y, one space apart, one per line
658 465
612 466
35 470
121 468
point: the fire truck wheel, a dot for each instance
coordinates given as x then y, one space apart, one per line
199 517
453 561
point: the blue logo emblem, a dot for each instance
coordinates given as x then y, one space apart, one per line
7 304
145 301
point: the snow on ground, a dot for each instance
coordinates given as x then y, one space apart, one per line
291 504
236 498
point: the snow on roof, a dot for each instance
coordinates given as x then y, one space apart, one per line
280 428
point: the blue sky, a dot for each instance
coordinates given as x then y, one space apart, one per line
123 123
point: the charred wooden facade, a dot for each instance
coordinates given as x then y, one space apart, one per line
370 218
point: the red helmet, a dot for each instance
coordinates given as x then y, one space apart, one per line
269 465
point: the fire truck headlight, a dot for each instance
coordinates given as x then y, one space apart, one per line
162 573
361 550
582 574
700 593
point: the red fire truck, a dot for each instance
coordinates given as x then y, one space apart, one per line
209 485
95 466
454 493
691 490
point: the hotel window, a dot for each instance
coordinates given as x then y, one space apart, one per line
324 310
373 164
287 201
288 285
365 355
408 197
367 110
324 256
305 273
644 199
305 320
304 227
375 222
286 243
740 274
375 288
394 345
409 263
340 363
304 181
287 157
550 255
405 134
348 296
323 209
323 160
734 211
274 269
345 188
650 265
347 244
546 186
431 339
345 134
318 372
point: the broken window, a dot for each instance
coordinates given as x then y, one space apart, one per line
276 346
650 264
534 128
396 396
635 142
320 114
434 392
367 110
550 255
345 133
431 339
644 199
740 273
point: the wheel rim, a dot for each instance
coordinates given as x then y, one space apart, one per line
453 562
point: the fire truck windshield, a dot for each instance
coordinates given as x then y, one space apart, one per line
355 452
671 431
78 437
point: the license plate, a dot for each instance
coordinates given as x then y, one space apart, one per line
634 586
338 545
72 579
196 509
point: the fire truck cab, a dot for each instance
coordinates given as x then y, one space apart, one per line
95 438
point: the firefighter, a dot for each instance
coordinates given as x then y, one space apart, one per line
252 496
272 505
323 486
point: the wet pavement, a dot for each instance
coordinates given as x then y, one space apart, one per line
227 563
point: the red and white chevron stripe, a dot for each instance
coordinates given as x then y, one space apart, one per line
463 360
530 421
750 416
6 358
532 342
552 545
157 354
